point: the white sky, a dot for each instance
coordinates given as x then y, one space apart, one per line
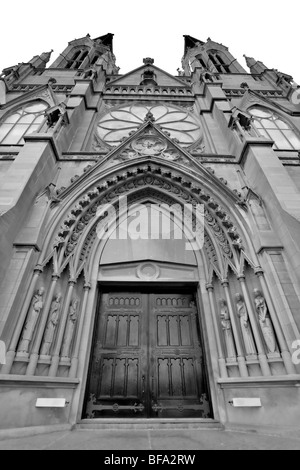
264 29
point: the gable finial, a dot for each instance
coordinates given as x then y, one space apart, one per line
149 117
148 61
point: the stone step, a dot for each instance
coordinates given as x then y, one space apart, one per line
90 424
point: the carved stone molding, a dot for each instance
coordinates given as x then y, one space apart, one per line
153 185
152 145
148 271
149 145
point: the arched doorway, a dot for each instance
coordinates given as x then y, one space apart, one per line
147 356
224 279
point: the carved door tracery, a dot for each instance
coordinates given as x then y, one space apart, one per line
147 358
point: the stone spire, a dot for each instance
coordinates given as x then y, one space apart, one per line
40 61
254 65
45 56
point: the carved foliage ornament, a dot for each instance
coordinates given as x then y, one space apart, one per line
151 145
85 210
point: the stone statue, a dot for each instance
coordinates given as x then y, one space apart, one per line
245 325
265 321
226 327
185 63
72 319
51 326
32 318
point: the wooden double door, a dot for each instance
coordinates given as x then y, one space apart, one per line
147 358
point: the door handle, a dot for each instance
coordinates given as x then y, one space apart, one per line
143 386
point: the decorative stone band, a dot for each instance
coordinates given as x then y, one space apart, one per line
154 177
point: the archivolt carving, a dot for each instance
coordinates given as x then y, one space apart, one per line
149 178
88 244
152 194
210 250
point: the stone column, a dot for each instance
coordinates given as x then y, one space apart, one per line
240 352
259 344
74 362
221 359
286 356
64 317
11 353
39 337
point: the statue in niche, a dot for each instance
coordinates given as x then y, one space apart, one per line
72 319
245 325
185 63
265 321
226 327
51 326
32 318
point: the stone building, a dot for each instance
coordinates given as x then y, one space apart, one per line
149 240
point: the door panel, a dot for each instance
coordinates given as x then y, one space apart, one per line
178 387
147 358
118 370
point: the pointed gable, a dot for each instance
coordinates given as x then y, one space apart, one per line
252 98
136 77
151 144
42 92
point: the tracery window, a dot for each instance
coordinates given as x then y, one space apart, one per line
202 63
24 120
218 62
178 122
72 62
95 58
81 59
271 125
77 59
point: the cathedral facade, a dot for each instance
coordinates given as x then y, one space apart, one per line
149 241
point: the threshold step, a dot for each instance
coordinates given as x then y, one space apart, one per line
114 423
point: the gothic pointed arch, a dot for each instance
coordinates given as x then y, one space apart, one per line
71 253
42 93
22 120
252 98
76 216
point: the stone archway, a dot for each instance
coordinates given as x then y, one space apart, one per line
69 265
161 274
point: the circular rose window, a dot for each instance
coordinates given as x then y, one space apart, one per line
118 123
